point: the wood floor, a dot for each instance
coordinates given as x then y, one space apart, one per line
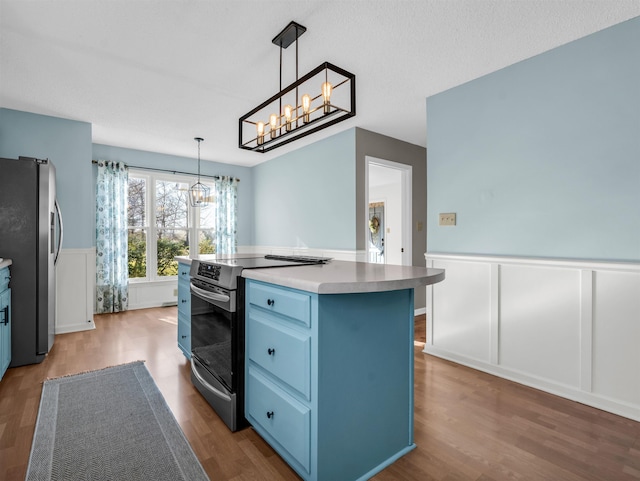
468 425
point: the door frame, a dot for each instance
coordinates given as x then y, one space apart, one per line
406 172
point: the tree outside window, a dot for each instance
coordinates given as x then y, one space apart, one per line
136 210
172 225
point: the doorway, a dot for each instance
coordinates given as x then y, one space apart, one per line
376 231
388 212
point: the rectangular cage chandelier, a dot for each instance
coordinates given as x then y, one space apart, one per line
319 99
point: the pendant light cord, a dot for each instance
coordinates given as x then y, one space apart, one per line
198 139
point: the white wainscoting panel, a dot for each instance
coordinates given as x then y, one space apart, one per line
143 295
75 287
540 322
571 328
616 335
462 326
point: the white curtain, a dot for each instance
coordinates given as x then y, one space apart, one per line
112 277
226 213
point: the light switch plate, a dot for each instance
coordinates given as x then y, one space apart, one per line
447 219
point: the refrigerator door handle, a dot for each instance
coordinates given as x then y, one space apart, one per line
60 232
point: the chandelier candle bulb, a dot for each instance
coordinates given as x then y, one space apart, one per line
306 106
326 95
287 116
273 123
260 130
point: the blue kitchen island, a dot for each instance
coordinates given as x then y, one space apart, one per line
329 364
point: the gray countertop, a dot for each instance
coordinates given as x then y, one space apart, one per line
338 277
344 277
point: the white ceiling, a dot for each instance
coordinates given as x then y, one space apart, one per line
154 74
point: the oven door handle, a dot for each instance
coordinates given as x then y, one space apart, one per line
215 391
208 295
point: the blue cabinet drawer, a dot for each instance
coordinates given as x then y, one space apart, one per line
184 334
287 421
281 350
5 277
295 305
184 298
183 271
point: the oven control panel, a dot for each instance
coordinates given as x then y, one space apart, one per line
210 271
215 273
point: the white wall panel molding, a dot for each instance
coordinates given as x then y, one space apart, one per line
567 327
495 313
75 287
586 329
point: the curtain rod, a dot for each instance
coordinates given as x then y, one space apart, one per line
171 171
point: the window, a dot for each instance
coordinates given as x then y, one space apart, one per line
162 225
136 215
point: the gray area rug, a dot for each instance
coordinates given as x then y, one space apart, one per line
111 424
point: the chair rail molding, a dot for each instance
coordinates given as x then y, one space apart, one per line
337 254
568 327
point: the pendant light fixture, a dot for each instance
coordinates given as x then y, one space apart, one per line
198 192
323 97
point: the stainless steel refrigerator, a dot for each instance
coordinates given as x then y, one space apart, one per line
31 236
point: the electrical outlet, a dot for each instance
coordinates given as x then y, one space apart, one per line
419 226
447 219
175 292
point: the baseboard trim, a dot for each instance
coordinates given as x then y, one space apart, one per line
67 328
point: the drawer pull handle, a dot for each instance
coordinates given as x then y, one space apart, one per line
183 300
269 414
271 352
184 337
270 302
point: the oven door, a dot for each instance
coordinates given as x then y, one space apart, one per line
213 320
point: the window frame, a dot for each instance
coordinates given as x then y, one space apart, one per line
150 228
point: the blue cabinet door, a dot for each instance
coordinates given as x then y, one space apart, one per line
5 331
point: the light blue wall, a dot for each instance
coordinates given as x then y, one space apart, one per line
306 198
542 158
140 158
67 143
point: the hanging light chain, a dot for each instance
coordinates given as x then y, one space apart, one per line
198 139
199 193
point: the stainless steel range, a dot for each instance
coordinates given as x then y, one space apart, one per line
217 329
